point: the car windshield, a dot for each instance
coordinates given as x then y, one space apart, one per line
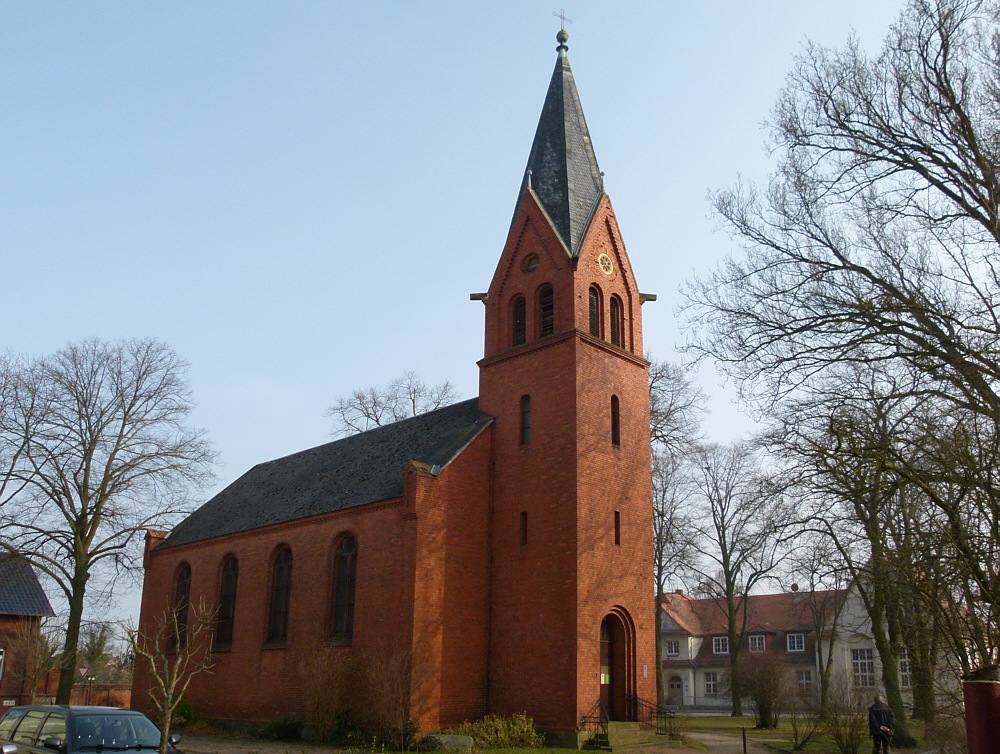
114 732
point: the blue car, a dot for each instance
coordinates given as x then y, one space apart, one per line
43 729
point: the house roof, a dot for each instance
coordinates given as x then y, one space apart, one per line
789 611
564 173
20 592
356 470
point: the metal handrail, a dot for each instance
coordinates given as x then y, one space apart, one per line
596 720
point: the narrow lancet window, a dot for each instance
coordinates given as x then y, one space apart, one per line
520 321
281 593
546 312
595 312
617 325
616 438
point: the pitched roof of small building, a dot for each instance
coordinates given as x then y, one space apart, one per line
356 470
789 611
20 592
564 172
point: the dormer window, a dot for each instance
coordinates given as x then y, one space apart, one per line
796 642
758 642
720 645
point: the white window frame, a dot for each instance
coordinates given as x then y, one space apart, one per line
795 642
863 667
805 681
711 683
758 642
904 668
720 645
673 647
3 656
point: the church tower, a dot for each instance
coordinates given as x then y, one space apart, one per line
571 596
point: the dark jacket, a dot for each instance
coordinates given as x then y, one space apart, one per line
880 715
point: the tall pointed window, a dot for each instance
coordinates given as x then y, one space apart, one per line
281 592
227 602
616 438
520 321
525 419
345 567
617 322
182 599
595 311
546 312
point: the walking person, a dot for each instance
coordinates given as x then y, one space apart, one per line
881 721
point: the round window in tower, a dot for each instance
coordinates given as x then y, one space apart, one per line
530 263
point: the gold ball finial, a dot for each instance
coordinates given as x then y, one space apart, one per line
562 36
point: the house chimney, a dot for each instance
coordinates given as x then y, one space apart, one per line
679 591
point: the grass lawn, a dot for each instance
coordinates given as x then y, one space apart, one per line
821 743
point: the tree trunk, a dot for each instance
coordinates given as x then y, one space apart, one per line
67 666
734 672
890 666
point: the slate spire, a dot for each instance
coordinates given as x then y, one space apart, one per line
562 169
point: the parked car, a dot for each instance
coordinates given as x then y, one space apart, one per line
43 729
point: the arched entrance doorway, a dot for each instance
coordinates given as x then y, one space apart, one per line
618 679
675 691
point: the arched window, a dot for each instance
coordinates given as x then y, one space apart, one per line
546 312
595 311
520 321
182 599
281 592
227 602
525 419
617 323
345 566
615 422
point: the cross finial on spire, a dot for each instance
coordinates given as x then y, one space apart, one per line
563 35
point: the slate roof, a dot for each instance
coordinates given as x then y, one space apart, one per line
20 592
564 172
356 470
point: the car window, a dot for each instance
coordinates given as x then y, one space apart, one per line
114 731
9 721
28 729
54 725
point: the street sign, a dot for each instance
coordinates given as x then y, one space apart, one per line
83 671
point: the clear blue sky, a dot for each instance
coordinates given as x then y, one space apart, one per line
299 196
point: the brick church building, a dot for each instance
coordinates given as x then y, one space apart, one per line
504 543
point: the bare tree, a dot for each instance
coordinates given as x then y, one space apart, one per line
174 661
818 564
739 524
841 442
97 449
373 407
676 405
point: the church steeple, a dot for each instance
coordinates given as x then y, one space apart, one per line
562 170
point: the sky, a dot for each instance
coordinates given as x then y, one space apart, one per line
299 197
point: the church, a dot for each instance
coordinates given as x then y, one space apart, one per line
504 543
